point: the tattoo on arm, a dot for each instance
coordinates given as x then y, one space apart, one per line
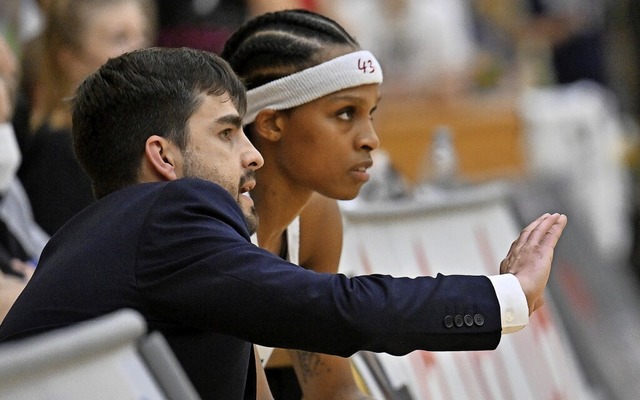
311 365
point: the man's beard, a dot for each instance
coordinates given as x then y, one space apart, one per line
251 216
251 220
193 169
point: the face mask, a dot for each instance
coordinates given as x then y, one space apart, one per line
9 156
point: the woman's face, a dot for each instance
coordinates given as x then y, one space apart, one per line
111 30
326 144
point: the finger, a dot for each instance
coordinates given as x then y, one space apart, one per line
548 231
552 235
524 234
538 233
519 242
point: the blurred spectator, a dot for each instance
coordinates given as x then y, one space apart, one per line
426 46
575 31
206 24
20 20
567 35
78 37
631 9
28 24
634 15
21 239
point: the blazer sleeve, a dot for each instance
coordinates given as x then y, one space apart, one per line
197 269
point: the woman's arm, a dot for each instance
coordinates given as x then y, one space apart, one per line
322 376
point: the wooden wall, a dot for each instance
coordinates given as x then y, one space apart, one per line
487 134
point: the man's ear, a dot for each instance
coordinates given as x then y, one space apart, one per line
160 157
268 125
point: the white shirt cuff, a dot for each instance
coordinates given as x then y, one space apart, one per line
514 310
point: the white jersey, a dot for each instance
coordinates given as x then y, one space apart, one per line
293 256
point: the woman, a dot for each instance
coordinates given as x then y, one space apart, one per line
79 36
316 150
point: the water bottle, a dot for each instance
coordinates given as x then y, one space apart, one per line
443 158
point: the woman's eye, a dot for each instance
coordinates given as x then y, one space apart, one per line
346 115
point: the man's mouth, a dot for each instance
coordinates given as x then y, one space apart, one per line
246 186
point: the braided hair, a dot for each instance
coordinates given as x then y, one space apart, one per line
281 43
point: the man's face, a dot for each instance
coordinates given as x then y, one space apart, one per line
218 150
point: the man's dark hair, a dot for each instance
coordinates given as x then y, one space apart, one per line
146 92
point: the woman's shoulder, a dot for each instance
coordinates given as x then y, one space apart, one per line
321 234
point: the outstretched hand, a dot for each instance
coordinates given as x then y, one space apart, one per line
531 255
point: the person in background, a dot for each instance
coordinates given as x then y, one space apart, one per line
427 48
160 133
21 239
78 37
575 31
207 24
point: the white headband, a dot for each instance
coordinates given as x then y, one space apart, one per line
350 70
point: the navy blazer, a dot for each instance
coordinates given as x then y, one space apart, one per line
179 253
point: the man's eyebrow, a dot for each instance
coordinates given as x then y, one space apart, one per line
233 119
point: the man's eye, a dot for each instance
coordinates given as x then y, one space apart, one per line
226 134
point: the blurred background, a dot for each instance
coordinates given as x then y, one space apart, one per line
532 104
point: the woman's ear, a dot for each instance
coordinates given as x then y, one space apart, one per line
268 125
161 157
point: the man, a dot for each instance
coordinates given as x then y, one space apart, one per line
159 131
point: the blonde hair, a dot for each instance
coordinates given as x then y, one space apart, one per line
65 25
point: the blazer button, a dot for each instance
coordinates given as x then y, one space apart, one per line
448 321
468 320
458 320
478 319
